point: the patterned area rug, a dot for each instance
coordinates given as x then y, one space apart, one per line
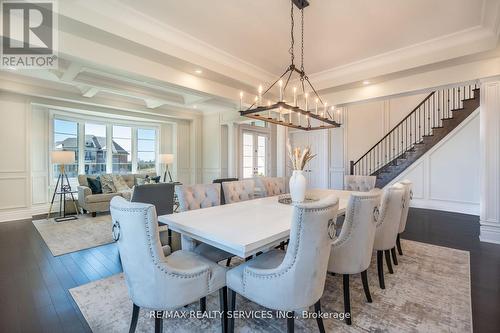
429 292
74 235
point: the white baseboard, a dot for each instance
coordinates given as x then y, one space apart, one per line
490 232
22 214
447 206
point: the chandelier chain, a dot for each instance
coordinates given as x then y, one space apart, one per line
302 40
292 38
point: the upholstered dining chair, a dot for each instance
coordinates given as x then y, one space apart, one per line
295 279
161 195
199 196
156 280
359 183
388 227
220 181
351 252
237 191
272 186
408 196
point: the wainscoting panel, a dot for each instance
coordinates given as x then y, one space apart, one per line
447 176
13 192
39 183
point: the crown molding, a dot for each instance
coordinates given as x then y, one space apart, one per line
135 26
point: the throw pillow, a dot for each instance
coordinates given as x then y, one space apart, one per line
155 179
120 183
107 184
140 181
95 185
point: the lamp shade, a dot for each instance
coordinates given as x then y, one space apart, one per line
63 157
166 158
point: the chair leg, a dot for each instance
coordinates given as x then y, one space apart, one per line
232 305
94 214
290 323
223 308
159 325
135 316
347 299
380 269
388 260
398 243
394 257
319 319
228 262
364 279
203 304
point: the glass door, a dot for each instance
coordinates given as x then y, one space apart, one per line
255 154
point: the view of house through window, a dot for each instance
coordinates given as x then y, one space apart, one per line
132 148
66 138
122 149
146 148
95 149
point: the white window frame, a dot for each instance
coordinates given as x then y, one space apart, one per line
82 119
265 131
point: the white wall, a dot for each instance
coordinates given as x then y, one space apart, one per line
24 166
447 176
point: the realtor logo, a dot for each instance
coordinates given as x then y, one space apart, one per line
29 34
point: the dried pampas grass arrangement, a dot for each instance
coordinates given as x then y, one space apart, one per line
298 157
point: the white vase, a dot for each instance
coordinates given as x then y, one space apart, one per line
298 186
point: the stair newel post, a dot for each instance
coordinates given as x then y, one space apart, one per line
351 168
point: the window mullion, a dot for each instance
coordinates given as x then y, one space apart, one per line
134 149
109 148
81 148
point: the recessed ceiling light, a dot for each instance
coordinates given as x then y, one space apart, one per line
365 82
198 71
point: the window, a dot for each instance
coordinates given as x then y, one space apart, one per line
254 154
95 149
66 138
104 147
146 150
122 149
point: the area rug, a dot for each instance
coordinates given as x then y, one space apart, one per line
429 292
74 235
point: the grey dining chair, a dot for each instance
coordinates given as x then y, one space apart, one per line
387 228
220 181
237 191
295 279
155 279
197 197
352 251
161 195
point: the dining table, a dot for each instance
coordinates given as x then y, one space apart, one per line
247 227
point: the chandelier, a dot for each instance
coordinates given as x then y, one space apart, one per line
303 112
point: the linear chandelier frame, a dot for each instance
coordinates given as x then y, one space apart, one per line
325 118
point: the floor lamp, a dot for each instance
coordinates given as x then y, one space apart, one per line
62 185
167 159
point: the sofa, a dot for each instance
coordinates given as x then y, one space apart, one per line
94 203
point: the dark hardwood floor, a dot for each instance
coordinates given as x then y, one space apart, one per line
34 285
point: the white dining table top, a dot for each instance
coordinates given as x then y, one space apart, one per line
243 228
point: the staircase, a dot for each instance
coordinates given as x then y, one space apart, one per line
436 116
